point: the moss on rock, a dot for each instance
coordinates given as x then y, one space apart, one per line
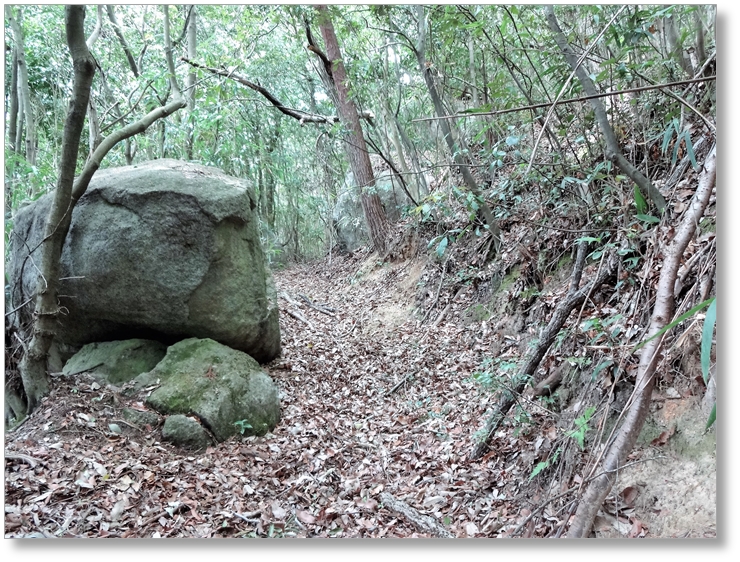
116 362
219 385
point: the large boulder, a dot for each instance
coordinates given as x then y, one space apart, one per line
225 389
162 250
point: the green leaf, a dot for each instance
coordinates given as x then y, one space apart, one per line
648 218
678 320
690 150
600 367
712 416
539 468
706 338
442 246
115 428
640 203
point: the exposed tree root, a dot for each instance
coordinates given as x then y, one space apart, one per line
424 523
573 299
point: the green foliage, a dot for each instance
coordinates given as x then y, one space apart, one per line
581 423
550 461
301 168
242 426
677 321
495 374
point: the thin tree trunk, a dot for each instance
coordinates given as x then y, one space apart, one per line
626 435
92 113
675 48
701 54
421 179
357 154
613 152
67 193
396 140
119 33
13 109
33 364
190 81
98 28
23 89
455 149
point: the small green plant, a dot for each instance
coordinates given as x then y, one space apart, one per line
522 421
493 373
579 434
549 461
242 426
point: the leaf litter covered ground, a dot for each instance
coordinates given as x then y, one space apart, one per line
373 401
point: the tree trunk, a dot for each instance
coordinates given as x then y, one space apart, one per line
357 154
613 152
33 364
24 90
190 82
67 193
12 123
675 47
455 149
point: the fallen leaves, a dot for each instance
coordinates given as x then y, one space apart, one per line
343 441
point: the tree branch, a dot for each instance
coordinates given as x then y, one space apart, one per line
301 116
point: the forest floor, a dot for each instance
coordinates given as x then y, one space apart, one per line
374 402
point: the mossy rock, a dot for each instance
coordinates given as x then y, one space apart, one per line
141 418
185 432
219 385
116 362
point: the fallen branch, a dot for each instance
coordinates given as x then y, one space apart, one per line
573 299
25 458
400 383
320 307
626 435
444 312
424 523
298 316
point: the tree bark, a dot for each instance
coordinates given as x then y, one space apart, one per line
357 154
12 123
122 39
190 81
613 152
67 193
626 435
675 48
33 364
24 90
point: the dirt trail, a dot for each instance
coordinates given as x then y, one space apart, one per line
373 402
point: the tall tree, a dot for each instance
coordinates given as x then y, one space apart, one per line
356 148
24 91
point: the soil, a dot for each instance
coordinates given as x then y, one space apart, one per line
373 401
